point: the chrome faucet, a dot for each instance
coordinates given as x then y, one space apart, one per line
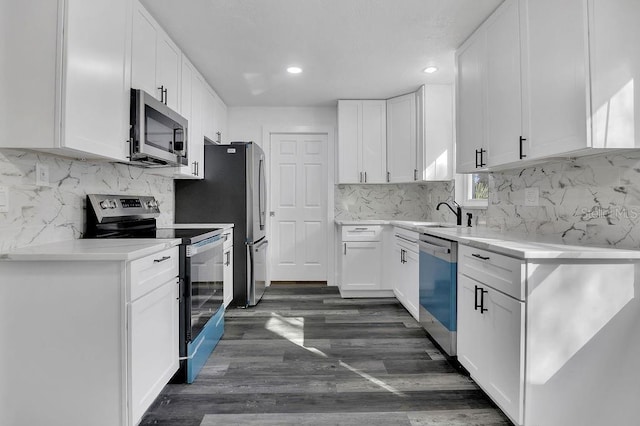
457 211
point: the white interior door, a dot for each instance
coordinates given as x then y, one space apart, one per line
299 207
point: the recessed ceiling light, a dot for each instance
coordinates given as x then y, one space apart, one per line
294 70
430 70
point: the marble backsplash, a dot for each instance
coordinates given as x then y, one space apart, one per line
591 200
411 201
43 214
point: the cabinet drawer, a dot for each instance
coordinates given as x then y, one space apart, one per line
504 273
362 233
152 271
406 239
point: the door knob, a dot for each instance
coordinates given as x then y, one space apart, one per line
272 214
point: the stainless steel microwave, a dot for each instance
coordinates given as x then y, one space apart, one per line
158 134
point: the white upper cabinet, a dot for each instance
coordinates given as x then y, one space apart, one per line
503 96
401 139
470 110
615 68
547 79
66 79
191 109
434 112
362 141
156 60
215 116
556 75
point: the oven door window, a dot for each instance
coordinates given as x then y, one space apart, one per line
206 287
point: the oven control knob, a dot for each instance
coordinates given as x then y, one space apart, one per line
112 203
104 204
152 204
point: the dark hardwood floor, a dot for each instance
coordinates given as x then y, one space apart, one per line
305 356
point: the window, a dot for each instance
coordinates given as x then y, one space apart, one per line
474 190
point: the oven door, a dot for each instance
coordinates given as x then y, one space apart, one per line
204 284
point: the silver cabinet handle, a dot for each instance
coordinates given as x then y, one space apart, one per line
365 177
388 177
162 259
345 248
415 174
360 177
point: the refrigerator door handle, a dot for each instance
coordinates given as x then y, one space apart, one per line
261 204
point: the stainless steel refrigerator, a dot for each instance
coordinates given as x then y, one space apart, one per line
233 191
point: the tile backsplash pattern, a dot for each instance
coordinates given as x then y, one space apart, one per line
43 214
591 200
410 201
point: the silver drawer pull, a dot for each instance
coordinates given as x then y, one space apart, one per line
161 259
480 257
361 229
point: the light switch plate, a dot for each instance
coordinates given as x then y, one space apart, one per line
42 174
532 197
4 199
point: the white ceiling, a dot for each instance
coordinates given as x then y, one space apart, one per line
348 49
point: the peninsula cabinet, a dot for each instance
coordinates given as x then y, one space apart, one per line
156 60
66 77
93 341
543 78
362 141
550 337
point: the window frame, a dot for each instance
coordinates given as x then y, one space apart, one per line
463 197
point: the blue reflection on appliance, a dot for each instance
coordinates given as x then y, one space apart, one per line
438 290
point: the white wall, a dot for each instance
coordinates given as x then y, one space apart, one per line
248 123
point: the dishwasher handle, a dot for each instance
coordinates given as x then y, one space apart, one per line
432 248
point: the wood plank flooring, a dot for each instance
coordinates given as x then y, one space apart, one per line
305 356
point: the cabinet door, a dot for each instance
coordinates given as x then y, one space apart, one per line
187 76
153 341
220 120
412 283
470 93
374 142
471 334
143 52
615 69
401 138
361 265
435 152
196 143
504 100
398 272
349 128
96 77
228 276
504 344
556 72
168 71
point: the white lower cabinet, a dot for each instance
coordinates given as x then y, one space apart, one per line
361 258
405 267
550 339
361 265
153 339
99 343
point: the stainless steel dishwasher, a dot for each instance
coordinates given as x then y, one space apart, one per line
438 290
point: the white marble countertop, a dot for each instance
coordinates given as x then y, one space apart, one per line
199 225
116 249
514 245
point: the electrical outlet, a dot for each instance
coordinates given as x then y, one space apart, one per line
42 174
532 197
